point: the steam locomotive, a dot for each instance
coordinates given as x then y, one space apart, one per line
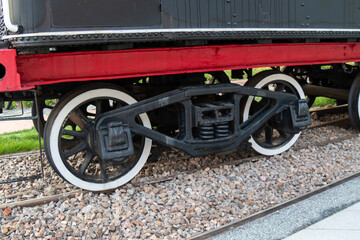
128 73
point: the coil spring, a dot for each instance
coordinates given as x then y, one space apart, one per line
206 132
222 130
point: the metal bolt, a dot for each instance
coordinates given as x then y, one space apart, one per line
302 4
307 17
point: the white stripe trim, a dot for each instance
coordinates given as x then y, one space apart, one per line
7 18
178 30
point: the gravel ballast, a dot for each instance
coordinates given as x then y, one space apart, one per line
184 205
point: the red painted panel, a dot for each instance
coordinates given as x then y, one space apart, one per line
83 66
11 80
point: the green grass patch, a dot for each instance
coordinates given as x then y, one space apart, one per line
323 101
20 141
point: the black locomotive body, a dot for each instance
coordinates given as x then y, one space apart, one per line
59 22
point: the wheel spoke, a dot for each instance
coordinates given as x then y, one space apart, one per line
67 144
269 132
103 170
78 148
74 133
88 157
78 118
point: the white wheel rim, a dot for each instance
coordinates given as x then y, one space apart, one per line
274 77
358 106
57 125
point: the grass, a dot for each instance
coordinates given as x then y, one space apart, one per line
323 101
20 141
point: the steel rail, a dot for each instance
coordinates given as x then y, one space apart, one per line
267 212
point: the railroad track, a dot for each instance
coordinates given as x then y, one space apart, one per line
55 197
320 112
256 216
141 181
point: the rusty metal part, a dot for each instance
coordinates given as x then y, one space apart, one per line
344 122
313 90
331 110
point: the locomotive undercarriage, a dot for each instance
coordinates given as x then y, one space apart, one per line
98 137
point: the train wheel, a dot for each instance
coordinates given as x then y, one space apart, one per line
301 74
44 110
354 102
69 135
271 139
